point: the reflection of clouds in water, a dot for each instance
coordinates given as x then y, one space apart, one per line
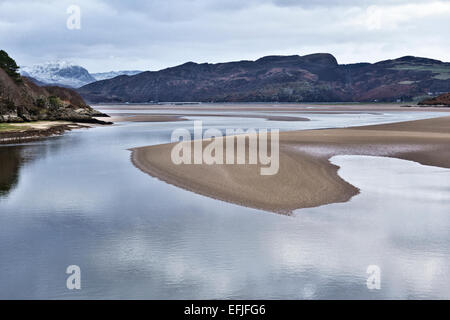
216 249
409 227
136 237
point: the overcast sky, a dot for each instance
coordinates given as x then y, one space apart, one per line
151 35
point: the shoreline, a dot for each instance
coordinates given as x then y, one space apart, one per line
338 189
306 177
38 130
277 107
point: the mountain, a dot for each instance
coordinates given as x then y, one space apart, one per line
59 73
22 100
66 74
112 74
310 78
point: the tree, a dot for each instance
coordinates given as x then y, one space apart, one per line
9 65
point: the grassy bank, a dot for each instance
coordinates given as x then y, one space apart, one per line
35 125
10 127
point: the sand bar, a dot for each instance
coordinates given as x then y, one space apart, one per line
306 178
149 117
136 117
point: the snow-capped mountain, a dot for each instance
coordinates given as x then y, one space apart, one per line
67 74
59 73
113 74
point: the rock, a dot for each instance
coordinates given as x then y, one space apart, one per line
99 114
441 100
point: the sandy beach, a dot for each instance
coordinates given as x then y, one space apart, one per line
136 117
306 178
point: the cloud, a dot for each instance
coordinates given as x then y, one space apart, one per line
134 34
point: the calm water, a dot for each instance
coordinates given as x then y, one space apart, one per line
77 199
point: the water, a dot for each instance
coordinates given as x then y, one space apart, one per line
77 199
400 222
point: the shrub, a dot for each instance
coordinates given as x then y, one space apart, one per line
55 102
41 103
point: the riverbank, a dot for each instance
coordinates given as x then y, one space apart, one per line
23 132
306 178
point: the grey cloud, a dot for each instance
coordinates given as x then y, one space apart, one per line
155 34
315 3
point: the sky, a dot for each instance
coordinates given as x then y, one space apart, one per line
152 35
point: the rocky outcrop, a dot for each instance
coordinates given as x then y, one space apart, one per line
23 101
441 100
311 78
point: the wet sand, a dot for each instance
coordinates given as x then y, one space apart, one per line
278 107
136 117
148 117
306 178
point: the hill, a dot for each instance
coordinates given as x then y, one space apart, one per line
310 78
22 100
112 74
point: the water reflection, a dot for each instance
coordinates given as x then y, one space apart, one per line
79 200
10 160
14 157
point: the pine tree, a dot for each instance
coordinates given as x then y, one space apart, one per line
9 65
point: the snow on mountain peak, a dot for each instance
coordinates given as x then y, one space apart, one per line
63 73
67 74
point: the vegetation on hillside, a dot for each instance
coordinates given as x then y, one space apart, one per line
21 100
311 78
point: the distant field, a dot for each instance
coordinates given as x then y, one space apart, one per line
441 72
442 76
